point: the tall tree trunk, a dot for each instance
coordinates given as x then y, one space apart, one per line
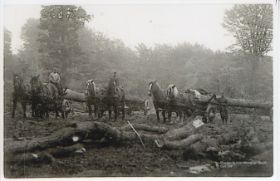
253 77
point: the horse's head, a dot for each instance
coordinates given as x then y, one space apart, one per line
91 88
112 87
18 82
35 83
172 91
153 85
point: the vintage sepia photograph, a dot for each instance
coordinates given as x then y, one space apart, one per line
138 90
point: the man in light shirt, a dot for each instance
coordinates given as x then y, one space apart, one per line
54 78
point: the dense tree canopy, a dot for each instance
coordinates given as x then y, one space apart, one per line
59 38
30 50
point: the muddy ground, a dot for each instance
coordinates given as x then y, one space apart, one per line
130 159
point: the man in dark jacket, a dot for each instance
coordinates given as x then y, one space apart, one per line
223 108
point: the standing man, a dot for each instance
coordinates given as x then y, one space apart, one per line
116 79
223 109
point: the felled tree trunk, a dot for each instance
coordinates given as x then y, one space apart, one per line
237 102
180 144
145 127
47 155
180 133
220 144
236 145
76 132
74 96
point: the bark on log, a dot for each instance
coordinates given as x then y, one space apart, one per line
254 149
145 127
74 134
85 130
189 137
188 129
183 143
235 145
45 156
62 137
237 102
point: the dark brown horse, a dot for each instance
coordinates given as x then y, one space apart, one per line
159 98
114 98
20 94
44 96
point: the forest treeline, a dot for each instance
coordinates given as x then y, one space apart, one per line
82 53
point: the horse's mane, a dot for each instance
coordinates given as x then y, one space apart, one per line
172 89
91 88
159 94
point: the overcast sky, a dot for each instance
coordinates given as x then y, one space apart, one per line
149 24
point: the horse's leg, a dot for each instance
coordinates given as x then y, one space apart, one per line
95 110
101 109
178 115
100 112
163 115
47 113
89 110
32 108
157 112
116 111
110 111
56 111
23 105
14 107
63 114
123 110
41 112
169 114
181 116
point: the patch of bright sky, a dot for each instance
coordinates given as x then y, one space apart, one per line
149 24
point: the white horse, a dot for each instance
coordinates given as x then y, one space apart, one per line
175 102
91 97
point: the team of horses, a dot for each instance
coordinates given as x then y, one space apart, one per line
44 97
110 98
171 100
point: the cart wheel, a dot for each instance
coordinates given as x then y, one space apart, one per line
210 114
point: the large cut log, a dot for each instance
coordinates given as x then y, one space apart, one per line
193 125
145 127
236 102
47 156
74 96
181 144
76 132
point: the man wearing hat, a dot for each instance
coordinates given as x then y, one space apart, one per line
54 78
115 78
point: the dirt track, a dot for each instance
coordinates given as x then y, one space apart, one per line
130 159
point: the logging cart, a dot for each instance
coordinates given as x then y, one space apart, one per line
207 105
